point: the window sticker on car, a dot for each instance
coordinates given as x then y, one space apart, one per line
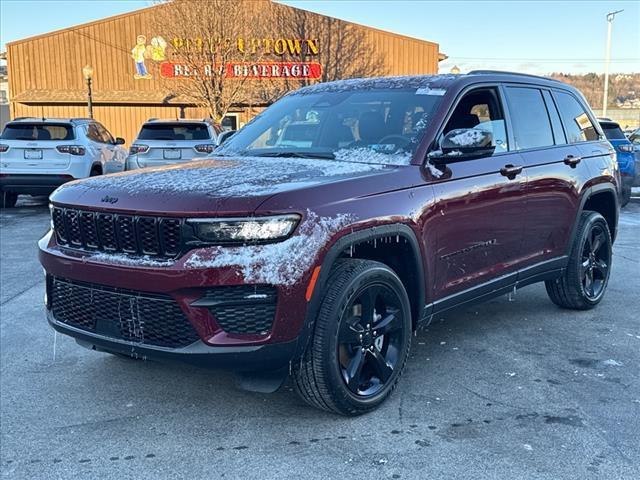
430 91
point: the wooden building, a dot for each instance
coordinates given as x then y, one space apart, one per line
46 71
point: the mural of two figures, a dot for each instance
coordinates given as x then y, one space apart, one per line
155 51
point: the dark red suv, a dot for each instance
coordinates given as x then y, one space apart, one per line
336 223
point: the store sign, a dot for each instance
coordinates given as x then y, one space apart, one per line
258 70
254 46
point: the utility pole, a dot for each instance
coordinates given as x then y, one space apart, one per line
610 17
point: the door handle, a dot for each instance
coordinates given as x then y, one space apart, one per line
510 171
572 161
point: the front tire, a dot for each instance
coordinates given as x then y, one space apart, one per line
360 342
584 282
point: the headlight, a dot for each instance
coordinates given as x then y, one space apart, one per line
235 230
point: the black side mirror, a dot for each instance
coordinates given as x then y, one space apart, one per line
224 136
463 144
119 141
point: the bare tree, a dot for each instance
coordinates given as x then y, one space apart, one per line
205 40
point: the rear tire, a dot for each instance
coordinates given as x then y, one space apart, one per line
361 340
95 171
8 199
584 281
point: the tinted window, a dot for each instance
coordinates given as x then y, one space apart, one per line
94 134
612 131
382 123
481 110
174 131
577 124
531 126
104 134
558 131
37 131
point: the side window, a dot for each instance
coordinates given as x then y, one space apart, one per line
481 110
531 125
93 134
104 134
577 124
558 131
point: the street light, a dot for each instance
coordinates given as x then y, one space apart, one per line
610 17
87 73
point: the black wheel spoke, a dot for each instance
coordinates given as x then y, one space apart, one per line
389 323
368 300
350 332
601 267
380 365
354 370
584 267
598 241
589 282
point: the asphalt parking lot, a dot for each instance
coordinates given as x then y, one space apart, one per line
509 389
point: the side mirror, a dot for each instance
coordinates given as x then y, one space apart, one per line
224 136
463 144
119 141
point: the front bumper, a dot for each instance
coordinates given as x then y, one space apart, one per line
238 358
190 292
32 184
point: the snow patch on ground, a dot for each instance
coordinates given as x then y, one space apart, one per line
281 263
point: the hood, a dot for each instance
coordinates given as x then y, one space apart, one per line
225 184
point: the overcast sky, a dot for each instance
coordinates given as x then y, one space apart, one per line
529 36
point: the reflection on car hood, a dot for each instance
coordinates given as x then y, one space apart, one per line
248 180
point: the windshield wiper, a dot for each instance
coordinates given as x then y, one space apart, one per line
325 156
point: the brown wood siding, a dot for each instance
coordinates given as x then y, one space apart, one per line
54 61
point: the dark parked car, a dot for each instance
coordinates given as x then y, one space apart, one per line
626 157
319 255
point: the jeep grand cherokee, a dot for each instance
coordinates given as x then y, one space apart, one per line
335 224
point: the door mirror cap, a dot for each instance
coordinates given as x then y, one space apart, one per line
224 136
463 144
120 141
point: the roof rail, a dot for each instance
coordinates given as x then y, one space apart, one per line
152 119
502 72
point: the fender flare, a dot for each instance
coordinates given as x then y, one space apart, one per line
339 246
99 165
586 195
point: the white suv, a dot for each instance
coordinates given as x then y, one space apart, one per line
164 142
37 155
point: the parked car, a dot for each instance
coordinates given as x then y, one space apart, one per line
165 142
626 157
37 155
634 138
416 195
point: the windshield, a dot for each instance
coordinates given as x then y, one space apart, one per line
369 126
613 131
37 131
174 131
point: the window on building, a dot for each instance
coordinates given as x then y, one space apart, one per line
530 119
577 124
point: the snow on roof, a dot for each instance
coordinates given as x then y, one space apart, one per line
418 81
282 263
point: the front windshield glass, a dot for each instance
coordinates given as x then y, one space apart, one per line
369 126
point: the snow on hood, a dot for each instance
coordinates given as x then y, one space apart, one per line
282 263
226 177
416 81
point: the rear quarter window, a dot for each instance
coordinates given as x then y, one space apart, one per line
37 131
577 124
174 131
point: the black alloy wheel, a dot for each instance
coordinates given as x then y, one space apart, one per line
370 339
361 339
596 259
584 281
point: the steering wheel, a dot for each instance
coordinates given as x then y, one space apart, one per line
399 141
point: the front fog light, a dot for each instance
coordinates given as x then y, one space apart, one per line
233 230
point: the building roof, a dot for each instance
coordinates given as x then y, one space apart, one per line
100 96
